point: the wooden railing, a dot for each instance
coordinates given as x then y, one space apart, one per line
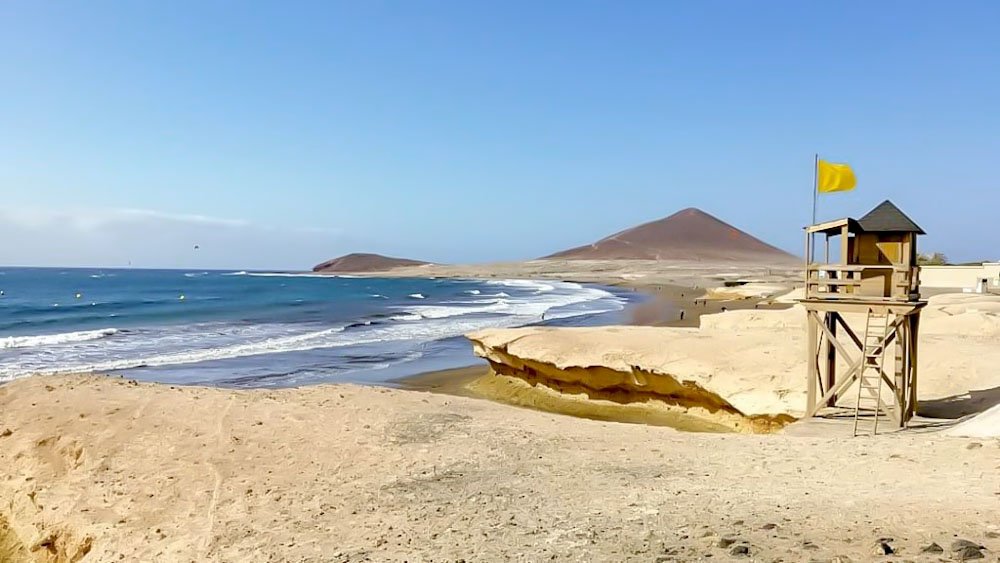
836 281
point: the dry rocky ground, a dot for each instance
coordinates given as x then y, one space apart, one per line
102 469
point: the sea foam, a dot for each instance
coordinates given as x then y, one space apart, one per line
55 339
521 302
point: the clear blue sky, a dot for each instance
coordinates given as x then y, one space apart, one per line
279 134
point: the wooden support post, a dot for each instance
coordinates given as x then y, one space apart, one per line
821 343
812 375
914 333
808 262
899 372
845 233
830 355
852 372
826 382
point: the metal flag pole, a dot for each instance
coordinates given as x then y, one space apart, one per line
815 184
815 189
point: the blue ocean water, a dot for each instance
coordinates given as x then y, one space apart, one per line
264 329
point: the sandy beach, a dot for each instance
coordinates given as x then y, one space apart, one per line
110 469
456 282
104 470
692 274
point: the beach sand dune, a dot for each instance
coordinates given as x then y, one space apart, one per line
104 469
742 369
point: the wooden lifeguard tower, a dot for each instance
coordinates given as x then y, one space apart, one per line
874 281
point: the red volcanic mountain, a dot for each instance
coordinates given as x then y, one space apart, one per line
688 235
361 262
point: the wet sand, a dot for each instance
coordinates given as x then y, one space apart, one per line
447 381
667 302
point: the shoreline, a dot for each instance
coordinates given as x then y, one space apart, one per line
347 330
658 305
105 468
661 309
452 381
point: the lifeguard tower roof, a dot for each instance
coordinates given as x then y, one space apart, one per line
887 218
884 218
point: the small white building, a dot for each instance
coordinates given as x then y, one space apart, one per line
971 279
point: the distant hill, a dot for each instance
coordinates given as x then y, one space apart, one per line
689 235
361 262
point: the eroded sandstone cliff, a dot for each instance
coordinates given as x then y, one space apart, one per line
617 373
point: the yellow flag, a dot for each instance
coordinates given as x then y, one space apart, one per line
835 177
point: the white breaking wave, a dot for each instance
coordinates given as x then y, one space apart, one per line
195 274
406 317
192 344
473 292
538 286
443 311
417 296
329 338
295 343
539 303
285 275
488 298
278 274
53 339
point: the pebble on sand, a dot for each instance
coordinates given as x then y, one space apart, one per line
882 547
959 545
969 553
740 550
932 548
966 550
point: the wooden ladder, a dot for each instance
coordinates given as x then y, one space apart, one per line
870 376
